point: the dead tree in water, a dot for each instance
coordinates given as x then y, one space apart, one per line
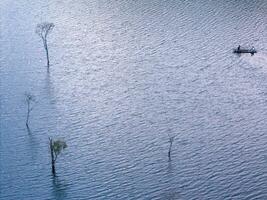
29 99
171 138
43 30
56 148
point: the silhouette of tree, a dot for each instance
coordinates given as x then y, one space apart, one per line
29 99
43 30
171 139
56 148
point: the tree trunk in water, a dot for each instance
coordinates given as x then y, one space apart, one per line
47 54
28 115
27 121
53 168
52 157
170 149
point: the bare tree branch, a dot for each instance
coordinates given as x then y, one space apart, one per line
171 139
43 29
29 99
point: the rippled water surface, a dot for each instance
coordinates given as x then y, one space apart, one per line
124 74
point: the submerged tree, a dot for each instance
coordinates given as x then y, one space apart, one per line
171 138
56 148
29 100
43 30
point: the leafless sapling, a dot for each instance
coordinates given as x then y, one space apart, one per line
56 148
43 29
29 100
171 138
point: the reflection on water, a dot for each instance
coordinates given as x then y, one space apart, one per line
28 130
59 188
124 74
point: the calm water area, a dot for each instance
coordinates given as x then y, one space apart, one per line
124 74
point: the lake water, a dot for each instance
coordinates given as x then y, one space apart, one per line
124 75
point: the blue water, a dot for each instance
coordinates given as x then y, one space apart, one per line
123 75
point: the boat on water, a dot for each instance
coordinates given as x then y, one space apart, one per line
240 50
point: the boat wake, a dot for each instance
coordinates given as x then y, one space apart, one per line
259 60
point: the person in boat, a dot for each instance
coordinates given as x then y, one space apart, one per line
238 48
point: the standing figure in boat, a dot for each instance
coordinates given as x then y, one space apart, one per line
240 50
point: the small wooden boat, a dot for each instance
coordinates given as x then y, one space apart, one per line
240 50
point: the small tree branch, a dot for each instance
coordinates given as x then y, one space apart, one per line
55 149
43 30
29 99
171 139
